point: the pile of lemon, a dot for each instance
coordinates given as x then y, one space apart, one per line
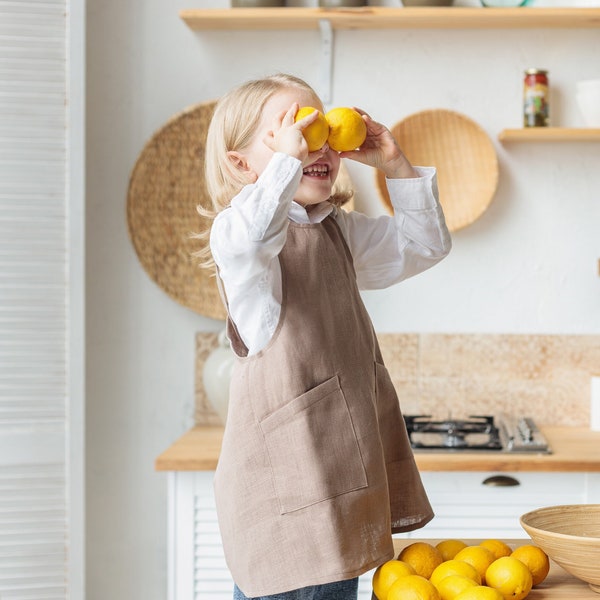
342 128
453 570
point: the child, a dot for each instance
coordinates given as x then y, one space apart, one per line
316 471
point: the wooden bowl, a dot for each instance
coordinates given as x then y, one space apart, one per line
570 536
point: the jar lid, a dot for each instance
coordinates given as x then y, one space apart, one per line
536 72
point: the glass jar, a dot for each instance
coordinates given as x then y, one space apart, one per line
535 98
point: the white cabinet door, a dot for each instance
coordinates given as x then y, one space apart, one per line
197 569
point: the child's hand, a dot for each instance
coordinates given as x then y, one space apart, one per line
286 136
380 150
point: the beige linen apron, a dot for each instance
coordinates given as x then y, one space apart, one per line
316 470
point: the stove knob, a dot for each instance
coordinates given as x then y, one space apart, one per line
525 431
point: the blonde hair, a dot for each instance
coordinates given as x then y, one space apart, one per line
232 127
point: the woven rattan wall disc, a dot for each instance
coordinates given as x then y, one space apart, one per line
463 154
166 185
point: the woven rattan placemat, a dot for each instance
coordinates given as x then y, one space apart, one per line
166 185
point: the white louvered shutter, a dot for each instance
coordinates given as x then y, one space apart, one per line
36 302
211 576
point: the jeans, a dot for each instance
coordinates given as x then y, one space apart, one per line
339 590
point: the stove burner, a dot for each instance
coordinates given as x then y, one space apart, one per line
476 433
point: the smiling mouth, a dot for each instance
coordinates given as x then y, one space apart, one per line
316 171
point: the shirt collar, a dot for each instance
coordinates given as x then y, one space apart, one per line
318 213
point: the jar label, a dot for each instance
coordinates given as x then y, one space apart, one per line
535 106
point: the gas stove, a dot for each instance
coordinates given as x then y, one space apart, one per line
476 433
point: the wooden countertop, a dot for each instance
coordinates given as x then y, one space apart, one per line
574 449
558 585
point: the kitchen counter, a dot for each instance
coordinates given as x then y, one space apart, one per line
574 449
558 585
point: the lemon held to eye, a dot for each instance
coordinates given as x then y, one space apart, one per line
347 130
317 132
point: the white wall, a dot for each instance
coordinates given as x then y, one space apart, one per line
528 265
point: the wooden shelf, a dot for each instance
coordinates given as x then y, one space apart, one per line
549 134
382 17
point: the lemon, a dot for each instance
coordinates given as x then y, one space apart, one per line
422 557
497 547
347 130
449 548
451 586
535 559
479 592
386 574
478 556
317 132
510 577
413 587
455 567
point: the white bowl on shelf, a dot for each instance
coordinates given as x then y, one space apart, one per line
588 101
588 86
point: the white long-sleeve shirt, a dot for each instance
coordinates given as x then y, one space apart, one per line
246 240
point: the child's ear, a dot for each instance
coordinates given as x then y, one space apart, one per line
240 162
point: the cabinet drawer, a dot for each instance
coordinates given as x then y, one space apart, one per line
535 483
465 507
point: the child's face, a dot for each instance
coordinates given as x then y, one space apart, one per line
318 177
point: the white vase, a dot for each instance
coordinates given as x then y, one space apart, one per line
216 376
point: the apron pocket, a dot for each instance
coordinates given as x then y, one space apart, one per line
313 448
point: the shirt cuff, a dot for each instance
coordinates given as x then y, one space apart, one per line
415 193
281 170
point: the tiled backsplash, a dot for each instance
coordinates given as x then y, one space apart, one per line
544 376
